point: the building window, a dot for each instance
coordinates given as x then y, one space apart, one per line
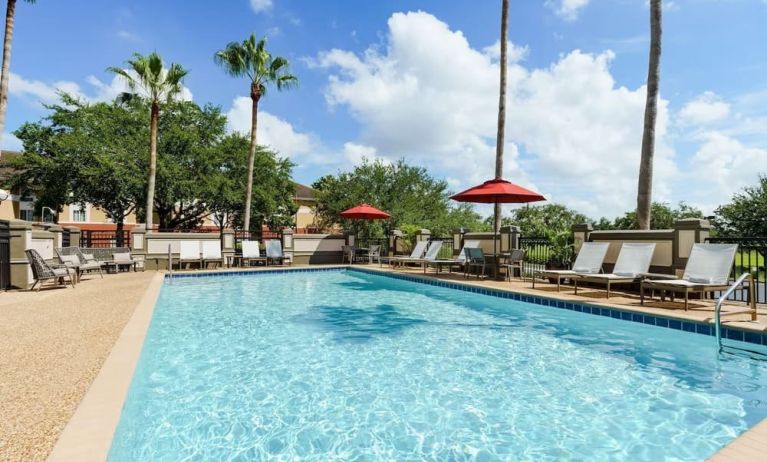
26 215
78 213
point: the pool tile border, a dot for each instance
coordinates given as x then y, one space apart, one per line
752 337
730 333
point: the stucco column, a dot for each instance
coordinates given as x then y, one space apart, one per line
74 235
21 240
395 239
688 231
288 244
581 234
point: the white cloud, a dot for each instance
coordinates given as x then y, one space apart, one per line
272 131
572 132
128 36
259 6
705 109
355 153
38 92
567 9
726 166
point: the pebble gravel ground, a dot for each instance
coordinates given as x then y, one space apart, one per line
52 345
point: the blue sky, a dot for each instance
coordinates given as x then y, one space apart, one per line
418 80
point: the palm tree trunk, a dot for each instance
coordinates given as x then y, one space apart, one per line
499 141
644 190
155 114
10 11
255 95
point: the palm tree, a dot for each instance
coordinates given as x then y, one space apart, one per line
251 59
9 22
159 85
644 191
501 111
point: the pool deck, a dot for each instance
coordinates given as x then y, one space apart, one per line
59 344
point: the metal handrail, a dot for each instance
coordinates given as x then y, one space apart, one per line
723 297
170 263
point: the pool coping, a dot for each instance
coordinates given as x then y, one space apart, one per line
88 434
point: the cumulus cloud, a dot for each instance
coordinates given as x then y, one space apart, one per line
272 131
38 92
567 9
260 5
431 97
727 165
705 109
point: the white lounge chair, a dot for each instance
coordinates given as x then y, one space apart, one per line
211 253
459 260
418 251
189 252
430 256
708 270
633 260
274 252
588 261
251 251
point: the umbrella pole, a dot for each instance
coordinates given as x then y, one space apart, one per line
496 220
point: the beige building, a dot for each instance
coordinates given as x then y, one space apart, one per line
20 205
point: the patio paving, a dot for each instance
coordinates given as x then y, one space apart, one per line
52 345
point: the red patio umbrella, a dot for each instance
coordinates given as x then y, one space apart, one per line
497 191
365 212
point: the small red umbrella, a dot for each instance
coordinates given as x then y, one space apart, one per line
498 191
365 212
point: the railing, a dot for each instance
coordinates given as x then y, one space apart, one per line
66 240
5 256
97 238
724 296
538 253
446 251
367 242
751 258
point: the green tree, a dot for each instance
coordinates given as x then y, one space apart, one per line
85 153
644 190
10 13
159 85
408 193
251 59
746 214
545 220
663 217
187 166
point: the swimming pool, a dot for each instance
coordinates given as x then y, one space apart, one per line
348 365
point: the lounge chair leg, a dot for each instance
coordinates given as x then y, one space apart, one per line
575 287
641 293
559 282
608 289
686 296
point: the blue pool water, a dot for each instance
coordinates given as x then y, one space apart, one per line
346 365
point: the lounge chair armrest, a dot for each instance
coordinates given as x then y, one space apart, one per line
656 276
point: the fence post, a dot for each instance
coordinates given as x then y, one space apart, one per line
458 234
74 235
509 238
227 244
394 238
688 231
422 235
581 234
288 244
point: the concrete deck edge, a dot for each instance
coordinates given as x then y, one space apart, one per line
88 434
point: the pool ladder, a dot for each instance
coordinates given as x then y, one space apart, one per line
751 309
170 264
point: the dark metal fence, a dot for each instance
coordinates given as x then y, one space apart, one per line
446 251
367 242
66 238
98 238
751 258
538 253
5 256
